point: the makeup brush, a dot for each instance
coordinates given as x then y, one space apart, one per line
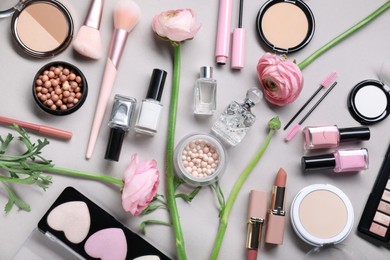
324 84
126 16
87 41
238 42
297 127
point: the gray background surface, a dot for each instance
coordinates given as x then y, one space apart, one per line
355 59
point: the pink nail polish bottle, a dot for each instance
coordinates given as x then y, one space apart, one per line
340 161
331 136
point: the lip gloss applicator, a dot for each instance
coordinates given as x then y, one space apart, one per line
276 215
256 218
126 16
238 42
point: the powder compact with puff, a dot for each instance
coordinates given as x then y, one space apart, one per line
74 226
41 28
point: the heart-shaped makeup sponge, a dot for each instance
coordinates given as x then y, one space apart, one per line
147 257
72 218
107 244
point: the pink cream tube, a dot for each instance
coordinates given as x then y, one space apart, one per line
222 47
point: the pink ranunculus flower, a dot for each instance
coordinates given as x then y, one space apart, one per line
141 180
281 79
176 25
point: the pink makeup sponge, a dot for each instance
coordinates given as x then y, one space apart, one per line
126 15
107 244
88 42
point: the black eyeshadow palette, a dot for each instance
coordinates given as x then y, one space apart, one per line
92 233
375 220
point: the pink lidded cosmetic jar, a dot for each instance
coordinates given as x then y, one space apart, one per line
339 161
319 137
200 159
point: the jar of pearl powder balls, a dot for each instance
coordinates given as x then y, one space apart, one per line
200 159
59 88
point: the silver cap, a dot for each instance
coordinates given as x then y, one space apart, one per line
206 72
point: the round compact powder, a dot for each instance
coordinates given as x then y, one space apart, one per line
285 26
321 214
369 101
42 28
364 104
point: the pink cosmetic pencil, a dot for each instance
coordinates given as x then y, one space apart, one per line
222 47
126 16
41 129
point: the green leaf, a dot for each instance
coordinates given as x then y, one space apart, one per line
14 199
189 197
152 221
153 207
5 143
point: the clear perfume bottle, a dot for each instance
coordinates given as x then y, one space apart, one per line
236 120
205 92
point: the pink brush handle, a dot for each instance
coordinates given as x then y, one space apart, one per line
105 92
224 29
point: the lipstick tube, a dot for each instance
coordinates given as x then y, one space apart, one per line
256 217
276 215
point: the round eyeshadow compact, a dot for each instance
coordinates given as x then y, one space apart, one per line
285 26
41 28
369 102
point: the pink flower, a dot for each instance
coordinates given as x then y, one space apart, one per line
176 25
281 79
141 180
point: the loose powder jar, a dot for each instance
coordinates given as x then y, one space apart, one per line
200 159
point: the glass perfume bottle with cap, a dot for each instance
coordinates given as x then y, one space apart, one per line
205 92
236 120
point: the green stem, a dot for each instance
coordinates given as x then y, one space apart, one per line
233 195
171 199
63 171
344 35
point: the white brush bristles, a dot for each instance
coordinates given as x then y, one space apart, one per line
88 42
126 15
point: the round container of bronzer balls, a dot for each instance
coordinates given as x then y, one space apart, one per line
59 88
200 159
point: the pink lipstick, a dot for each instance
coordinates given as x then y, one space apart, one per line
256 217
276 221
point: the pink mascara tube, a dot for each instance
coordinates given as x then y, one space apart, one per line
222 47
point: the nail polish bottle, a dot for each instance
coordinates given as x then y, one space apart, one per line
205 97
331 136
149 114
235 121
340 161
121 119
